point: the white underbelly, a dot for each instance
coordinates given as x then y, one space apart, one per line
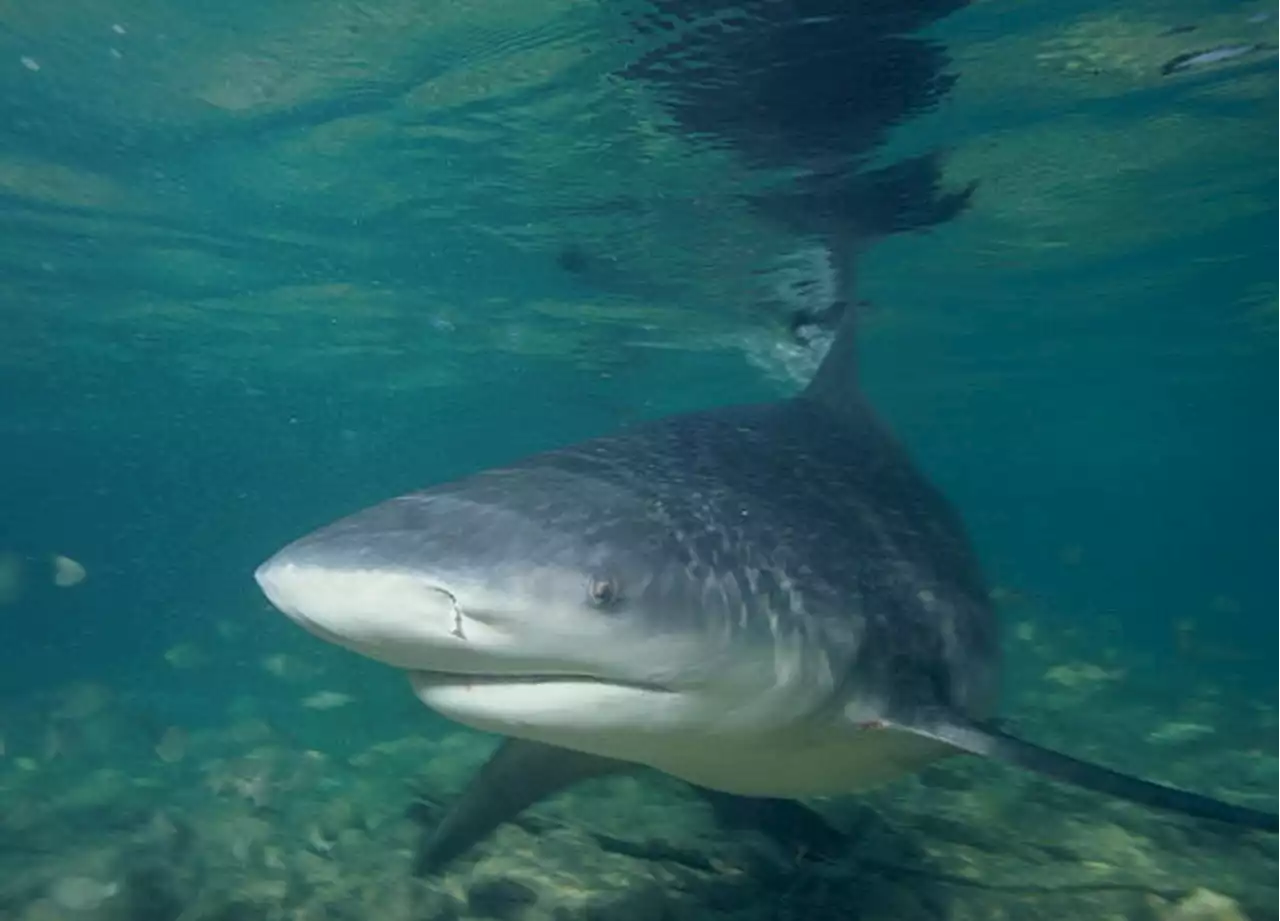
788 764
794 767
685 737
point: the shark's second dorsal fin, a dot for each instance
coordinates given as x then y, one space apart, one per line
999 746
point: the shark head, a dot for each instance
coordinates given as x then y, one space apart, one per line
540 602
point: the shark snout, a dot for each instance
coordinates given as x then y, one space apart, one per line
276 582
388 614
290 587
272 579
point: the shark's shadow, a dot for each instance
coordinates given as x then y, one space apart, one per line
778 858
805 95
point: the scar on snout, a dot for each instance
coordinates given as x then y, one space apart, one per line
457 619
457 612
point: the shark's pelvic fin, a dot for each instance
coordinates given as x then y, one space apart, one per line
519 774
999 746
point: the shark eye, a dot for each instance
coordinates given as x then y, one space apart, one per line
603 592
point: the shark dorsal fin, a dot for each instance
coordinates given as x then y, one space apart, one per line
835 383
999 746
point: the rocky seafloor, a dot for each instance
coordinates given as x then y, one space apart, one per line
107 816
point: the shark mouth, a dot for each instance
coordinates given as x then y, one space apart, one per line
549 708
427 679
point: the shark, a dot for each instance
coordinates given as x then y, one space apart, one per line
768 601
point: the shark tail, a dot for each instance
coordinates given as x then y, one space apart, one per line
999 746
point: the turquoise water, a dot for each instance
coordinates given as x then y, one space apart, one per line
264 266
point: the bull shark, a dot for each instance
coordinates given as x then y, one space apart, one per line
763 600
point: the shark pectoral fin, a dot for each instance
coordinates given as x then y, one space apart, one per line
519 774
998 746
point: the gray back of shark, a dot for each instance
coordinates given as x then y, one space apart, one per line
832 588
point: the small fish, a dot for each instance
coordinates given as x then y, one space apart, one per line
80 893
1071 555
228 629
1225 605
10 577
172 746
1003 594
327 700
1193 59
288 668
67 572
82 701
184 656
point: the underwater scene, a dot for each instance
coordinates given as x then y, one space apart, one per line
638 460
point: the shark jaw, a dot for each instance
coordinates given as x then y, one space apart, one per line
550 705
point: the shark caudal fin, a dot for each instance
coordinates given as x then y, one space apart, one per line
999 746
